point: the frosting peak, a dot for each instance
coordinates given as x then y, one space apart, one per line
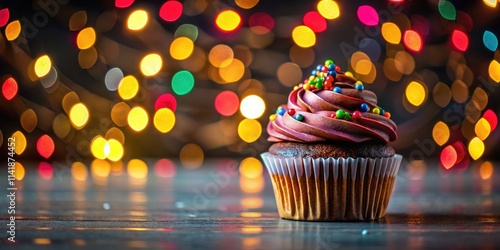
331 105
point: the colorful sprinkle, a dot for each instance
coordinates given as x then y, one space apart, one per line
340 114
332 115
347 116
280 111
299 117
376 111
306 86
387 114
356 115
382 111
337 90
359 86
272 117
364 107
319 85
348 73
291 111
329 62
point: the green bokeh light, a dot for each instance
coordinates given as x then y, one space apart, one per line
447 10
182 82
187 30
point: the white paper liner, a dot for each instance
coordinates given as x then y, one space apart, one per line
332 189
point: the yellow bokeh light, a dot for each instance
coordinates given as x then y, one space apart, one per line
79 115
415 93
86 38
486 170
43 65
137 169
115 150
220 55
79 171
61 126
494 70
97 147
20 142
228 20
20 171
13 30
490 3
137 20
303 36
252 185
246 4
164 120
249 130
441 133
137 118
128 87
391 33
482 129
476 148
100 168
232 71
115 133
252 107
181 48
251 167
328 9
119 113
151 64
191 156
363 67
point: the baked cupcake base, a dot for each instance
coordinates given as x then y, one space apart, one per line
332 189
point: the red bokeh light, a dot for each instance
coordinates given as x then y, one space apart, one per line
4 17
166 101
165 168
460 40
315 21
171 11
227 103
492 118
261 23
448 157
45 146
9 88
123 3
45 170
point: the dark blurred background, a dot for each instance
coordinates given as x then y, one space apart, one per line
196 79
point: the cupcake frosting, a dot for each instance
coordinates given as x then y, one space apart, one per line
331 105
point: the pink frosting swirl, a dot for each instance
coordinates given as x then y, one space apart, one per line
317 106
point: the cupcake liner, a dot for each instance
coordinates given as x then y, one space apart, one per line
332 189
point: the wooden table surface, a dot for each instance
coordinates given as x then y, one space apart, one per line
215 207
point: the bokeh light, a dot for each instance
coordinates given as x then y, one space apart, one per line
220 55
45 170
43 65
137 20
191 156
20 141
490 3
182 82
249 130
116 150
289 74
115 133
128 87
100 168
315 21
97 147
460 40
78 20
164 168
45 146
416 93
490 40
20 171
476 148
448 157
13 30
86 38
79 171
252 107
412 41
232 71
303 36
79 115
391 33
164 120
166 100
492 118
246 4
29 120
87 58
170 11
151 64
138 118
251 167
113 78
262 23
187 30
119 113
123 3
486 170
226 103
181 48
4 16
9 88
441 133
367 15
228 20
447 10
61 126
482 129
494 70
329 9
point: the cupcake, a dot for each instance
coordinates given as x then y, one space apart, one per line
330 159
